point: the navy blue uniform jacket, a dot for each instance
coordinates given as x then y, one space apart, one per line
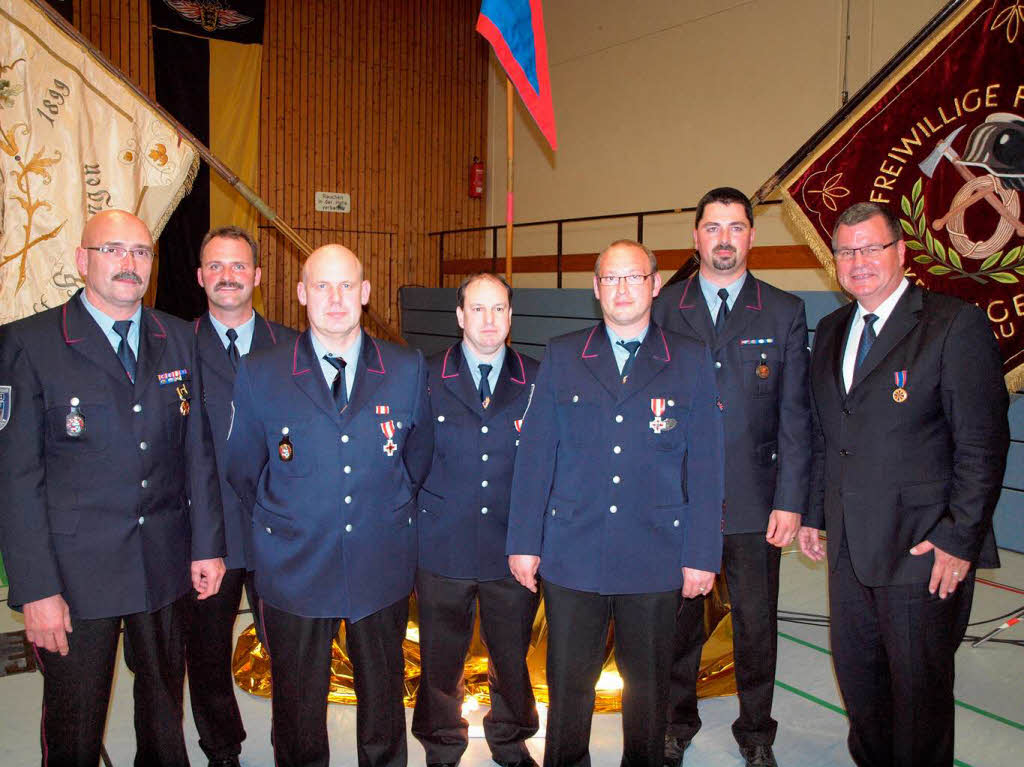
218 383
464 500
767 420
110 519
892 474
609 504
333 529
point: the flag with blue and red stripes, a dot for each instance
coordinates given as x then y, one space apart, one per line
515 29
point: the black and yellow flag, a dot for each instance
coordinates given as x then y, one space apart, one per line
208 57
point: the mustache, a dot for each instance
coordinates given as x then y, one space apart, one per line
724 249
127 277
228 284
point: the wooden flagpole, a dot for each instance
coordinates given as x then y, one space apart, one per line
510 122
201 149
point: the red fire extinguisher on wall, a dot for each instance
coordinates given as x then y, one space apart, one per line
476 178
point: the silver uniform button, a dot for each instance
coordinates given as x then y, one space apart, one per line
671 403
675 523
348 528
348 499
718 364
575 397
483 510
483 430
483 457
284 431
348 469
269 531
344 438
774 456
136 408
440 419
616 479
142 520
484 483
613 509
145 483
143 446
616 450
618 419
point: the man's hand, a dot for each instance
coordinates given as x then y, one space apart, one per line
48 623
207 575
782 527
810 543
947 572
697 583
524 568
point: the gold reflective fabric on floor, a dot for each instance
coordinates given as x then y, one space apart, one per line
251 663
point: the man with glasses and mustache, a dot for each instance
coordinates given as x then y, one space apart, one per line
111 507
758 339
229 272
617 504
910 441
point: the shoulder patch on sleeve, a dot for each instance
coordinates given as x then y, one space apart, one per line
6 392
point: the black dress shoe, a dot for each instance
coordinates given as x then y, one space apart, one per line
527 762
674 748
759 755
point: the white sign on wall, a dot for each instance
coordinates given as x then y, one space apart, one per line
332 202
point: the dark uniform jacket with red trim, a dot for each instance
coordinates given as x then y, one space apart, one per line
111 518
334 525
617 486
767 416
891 471
465 498
218 384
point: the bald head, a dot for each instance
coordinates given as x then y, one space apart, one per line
334 292
115 260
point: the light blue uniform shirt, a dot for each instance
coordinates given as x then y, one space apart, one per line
350 355
710 292
244 341
474 362
621 352
107 326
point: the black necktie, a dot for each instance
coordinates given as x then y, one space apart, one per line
723 310
485 385
867 339
232 349
338 390
124 351
631 347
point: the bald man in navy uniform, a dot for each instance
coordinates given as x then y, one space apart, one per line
478 393
617 504
331 438
111 508
229 272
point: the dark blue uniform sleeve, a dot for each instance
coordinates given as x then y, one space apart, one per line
24 524
705 472
535 465
206 514
419 447
247 442
794 436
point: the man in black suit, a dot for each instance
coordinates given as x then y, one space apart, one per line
758 339
229 273
910 441
111 509
479 389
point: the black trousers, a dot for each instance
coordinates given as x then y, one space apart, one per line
577 634
447 610
300 666
209 631
751 568
76 689
893 648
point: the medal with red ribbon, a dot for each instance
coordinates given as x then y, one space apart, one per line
388 427
519 424
658 408
899 394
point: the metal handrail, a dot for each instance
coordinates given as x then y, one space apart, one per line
559 223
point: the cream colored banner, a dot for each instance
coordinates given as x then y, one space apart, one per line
73 141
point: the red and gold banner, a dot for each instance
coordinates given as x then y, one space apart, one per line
941 143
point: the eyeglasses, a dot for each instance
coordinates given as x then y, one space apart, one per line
868 251
119 252
612 280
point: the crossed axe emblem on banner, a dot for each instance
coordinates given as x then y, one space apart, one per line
975 188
